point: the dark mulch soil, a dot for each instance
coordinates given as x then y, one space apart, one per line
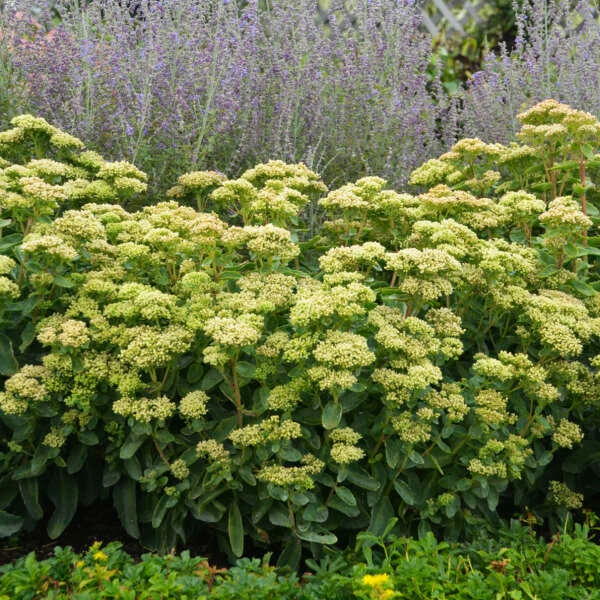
98 522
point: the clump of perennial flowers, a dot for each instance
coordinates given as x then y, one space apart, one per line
424 357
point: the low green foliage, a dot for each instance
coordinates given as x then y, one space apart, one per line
431 358
516 566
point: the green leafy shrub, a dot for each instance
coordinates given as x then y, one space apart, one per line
517 565
427 357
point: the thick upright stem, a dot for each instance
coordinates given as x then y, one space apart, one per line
583 195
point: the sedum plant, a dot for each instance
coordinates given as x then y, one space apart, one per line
430 358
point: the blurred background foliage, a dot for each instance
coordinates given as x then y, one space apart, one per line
483 27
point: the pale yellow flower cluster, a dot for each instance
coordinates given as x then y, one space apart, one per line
284 397
562 495
48 168
55 438
344 454
411 429
265 242
425 274
333 380
431 173
523 207
50 245
561 321
477 213
120 169
28 383
73 333
241 331
564 213
450 400
149 347
567 434
271 429
77 226
502 459
196 181
234 191
273 192
213 450
8 288
344 449
278 169
447 235
488 469
145 410
275 202
7 264
492 368
552 121
352 258
344 350
295 477
314 302
179 469
398 387
491 408
260 293
27 123
193 405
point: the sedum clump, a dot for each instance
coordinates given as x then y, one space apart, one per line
430 357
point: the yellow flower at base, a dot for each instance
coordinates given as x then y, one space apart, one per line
378 580
381 586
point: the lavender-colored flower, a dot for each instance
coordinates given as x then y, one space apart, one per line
191 85
556 55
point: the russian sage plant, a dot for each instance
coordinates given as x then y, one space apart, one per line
211 85
556 55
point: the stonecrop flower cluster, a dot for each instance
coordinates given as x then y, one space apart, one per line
424 355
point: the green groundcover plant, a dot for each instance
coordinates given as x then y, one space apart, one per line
205 362
516 566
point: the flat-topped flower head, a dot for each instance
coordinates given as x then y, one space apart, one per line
277 169
145 410
565 212
193 405
344 350
113 170
431 173
50 245
271 429
235 331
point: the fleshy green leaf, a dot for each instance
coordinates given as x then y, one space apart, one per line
64 494
332 415
8 362
381 514
405 492
345 495
325 537
235 529
9 523
29 490
124 496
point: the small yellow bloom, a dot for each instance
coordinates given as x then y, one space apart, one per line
376 580
79 564
100 556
